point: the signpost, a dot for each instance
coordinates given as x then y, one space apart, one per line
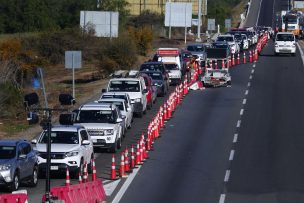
211 24
72 61
227 24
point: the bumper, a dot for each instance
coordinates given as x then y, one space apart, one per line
57 167
138 107
6 177
285 50
174 81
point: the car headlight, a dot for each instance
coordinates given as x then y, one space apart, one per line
5 167
73 153
137 100
110 131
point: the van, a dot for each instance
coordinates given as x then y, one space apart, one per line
285 43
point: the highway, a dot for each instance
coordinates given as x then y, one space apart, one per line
231 144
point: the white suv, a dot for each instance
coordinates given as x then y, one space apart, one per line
104 124
285 43
136 89
71 146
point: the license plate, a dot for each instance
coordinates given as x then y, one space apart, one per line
54 168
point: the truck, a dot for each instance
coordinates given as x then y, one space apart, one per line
217 53
290 21
171 55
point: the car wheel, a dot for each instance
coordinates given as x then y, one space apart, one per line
229 83
34 177
16 182
293 54
119 143
90 165
145 111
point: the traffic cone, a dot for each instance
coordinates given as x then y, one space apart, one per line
67 177
137 160
233 61
132 157
85 173
79 178
238 59
165 112
223 64
94 176
229 61
141 153
211 64
122 166
250 56
127 165
169 109
215 64
256 55
113 169
244 58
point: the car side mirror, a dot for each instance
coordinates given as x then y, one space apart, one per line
145 91
22 156
86 142
34 141
119 120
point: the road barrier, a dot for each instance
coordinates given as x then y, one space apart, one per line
13 198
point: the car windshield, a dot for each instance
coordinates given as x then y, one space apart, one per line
196 48
244 37
291 19
153 67
7 152
60 137
171 66
124 86
95 116
285 37
238 37
227 39
216 45
155 76
119 104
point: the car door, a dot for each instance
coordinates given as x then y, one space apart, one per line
85 148
144 96
22 161
31 157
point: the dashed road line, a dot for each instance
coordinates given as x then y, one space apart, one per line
244 101
252 71
227 175
250 77
247 91
249 84
238 124
231 156
235 138
242 112
222 198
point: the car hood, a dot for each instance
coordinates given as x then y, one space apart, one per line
57 147
6 161
98 125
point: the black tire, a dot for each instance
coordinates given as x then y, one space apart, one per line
130 126
16 182
34 177
145 111
229 83
119 143
293 54
90 165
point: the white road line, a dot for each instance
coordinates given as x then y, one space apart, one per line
250 78
222 198
109 188
244 101
227 175
249 84
242 112
231 155
235 138
125 185
247 91
252 71
238 124
253 65
301 52
256 24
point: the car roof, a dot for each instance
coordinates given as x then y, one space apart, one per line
69 128
126 79
110 99
97 106
11 142
115 93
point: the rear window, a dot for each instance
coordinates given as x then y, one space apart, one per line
124 86
285 37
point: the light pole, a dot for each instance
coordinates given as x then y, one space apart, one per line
198 39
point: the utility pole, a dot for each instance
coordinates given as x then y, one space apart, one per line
198 39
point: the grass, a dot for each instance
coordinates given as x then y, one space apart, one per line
11 128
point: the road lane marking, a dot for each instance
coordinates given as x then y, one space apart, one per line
227 175
252 71
244 101
126 185
301 52
253 65
249 84
238 123
241 112
231 155
256 24
222 198
250 77
109 188
247 91
235 138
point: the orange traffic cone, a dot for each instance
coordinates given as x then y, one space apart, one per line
85 173
223 64
79 178
67 177
233 61
113 170
122 166
132 157
250 57
137 160
94 176
244 58
238 59
127 166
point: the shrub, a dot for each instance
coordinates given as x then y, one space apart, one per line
10 101
143 37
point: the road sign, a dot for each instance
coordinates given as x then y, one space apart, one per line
227 23
211 24
178 14
72 59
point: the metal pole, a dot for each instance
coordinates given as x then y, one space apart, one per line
48 157
199 21
73 75
185 24
170 20
43 87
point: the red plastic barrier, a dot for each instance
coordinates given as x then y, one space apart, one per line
13 198
89 192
